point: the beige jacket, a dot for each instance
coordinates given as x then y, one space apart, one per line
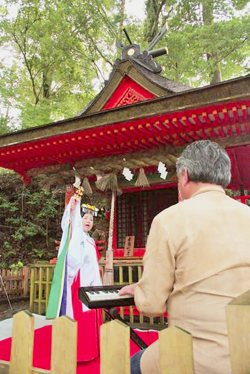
197 260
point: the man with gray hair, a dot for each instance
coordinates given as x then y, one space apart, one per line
197 260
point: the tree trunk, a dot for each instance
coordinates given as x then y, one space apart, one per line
46 85
208 17
216 76
153 10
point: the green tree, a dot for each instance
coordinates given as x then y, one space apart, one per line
8 87
60 45
29 221
208 40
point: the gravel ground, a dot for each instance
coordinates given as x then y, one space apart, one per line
17 306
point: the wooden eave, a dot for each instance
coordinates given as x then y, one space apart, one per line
190 102
220 112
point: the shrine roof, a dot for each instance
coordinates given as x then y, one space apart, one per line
218 112
154 83
168 84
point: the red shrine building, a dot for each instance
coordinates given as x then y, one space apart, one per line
137 121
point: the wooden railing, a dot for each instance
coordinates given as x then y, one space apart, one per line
40 282
125 272
16 283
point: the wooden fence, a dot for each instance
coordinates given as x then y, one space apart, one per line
16 283
125 272
175 345
40 282
63 353
175 350
114 359
238 326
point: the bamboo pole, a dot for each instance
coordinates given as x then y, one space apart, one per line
40 289
108 278
47 286
25 280
32 289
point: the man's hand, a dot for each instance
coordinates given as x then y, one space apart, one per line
128 290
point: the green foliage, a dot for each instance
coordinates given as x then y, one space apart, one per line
29 220
38 253
207 40
8 97
58 46
17 266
